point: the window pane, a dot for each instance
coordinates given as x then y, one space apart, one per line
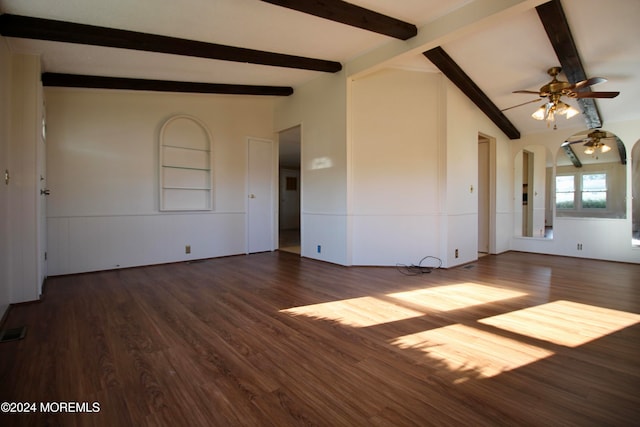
565 192
594 191
564 201
564 183
594 182
594 199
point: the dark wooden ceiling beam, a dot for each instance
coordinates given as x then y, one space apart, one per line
621 151
572 155
100 82
555 24
68 32
450 68
350 14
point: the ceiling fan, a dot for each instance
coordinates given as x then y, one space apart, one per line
556 89
593 141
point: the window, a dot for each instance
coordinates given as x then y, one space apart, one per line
590 186
581 191
565 192
594 191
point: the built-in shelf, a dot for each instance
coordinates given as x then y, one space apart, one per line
185 165
183 148
185 188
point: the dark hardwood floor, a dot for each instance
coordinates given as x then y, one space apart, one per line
273 339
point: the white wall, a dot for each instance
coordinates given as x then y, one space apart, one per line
414 171
398 160
23 189
635 191
102 160
601 238
394 167
320 108
464 121
5 87
407 133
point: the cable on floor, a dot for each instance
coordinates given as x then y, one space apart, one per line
416 270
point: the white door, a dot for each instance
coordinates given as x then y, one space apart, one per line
41 206
260 206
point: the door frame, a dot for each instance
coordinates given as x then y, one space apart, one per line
43 191
300 178
491 141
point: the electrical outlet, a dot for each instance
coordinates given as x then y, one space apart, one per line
579 246
187 249
457 254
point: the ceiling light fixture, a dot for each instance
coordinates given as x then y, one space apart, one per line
549 110
556 89
596 145
593 142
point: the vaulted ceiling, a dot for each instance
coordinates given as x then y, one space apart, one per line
489 48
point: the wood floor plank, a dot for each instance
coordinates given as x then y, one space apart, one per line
273 339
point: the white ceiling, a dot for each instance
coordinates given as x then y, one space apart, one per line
510 51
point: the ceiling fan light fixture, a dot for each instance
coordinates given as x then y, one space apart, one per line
551 116
571 112
595 146
566 109
555 90
540 113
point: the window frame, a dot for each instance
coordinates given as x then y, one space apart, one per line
605 191
578 192
574 206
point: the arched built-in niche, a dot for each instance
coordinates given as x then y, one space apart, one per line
185 165
635 192
532 213
590 179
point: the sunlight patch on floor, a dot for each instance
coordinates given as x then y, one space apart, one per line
455 297
357 312
471 352
370 311
565 323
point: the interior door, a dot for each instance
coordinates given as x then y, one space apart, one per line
483 196
260 206
41 205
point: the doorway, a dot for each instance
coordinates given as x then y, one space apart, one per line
486 195
527 196
289 190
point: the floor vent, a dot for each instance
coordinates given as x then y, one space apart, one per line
469 266
13 334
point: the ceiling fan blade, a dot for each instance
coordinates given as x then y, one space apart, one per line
567 142
524 103
527 91
578 138
589 82
594 94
